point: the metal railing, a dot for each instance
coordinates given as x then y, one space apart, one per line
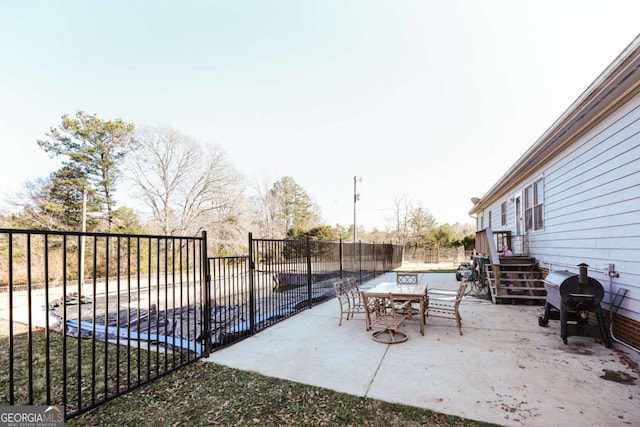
86 317
280 278
517 243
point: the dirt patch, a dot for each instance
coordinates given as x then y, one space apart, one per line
618 376
18 328
576 350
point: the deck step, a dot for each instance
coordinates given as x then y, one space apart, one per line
520 281
521 288
532 297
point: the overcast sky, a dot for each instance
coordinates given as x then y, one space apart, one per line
432 100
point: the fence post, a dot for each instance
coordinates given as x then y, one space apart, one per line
359 246
384 257
10 291
252 297
206 295
375 258
309 278
340 255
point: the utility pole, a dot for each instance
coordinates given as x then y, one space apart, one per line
356 197
82 242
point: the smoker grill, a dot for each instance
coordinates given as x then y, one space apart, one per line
570 299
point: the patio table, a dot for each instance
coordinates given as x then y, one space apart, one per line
401 292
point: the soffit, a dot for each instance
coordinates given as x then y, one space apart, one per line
614 86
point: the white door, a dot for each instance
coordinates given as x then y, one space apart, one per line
518 216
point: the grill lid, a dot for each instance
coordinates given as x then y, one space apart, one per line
582 296
557 278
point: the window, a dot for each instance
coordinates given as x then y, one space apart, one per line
503 214
489 219
538 200
533 206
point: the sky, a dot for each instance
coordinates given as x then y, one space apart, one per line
425 101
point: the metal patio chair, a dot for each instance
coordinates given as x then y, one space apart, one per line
406 278
445 303
385 314
343 299
356 303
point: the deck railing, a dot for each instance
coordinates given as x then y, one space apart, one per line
517 243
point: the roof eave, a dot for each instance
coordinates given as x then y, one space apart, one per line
614 85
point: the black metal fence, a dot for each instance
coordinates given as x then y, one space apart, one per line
280 278
86 317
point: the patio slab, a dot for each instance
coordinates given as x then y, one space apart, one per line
505 369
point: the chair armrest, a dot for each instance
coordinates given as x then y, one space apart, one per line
442 297
401 305
441 292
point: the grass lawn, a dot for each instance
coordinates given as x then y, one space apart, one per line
201 394
206 394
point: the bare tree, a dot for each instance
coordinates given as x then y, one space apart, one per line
188 187
56 203
265 208
402 210
28 203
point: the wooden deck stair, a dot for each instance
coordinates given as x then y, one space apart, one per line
514 278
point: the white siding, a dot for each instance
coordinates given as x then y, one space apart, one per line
496 218
592 205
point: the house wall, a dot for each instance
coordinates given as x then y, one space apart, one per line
496 219
592 206
592 210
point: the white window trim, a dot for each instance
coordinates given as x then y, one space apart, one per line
530 184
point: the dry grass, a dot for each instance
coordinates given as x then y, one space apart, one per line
94 369
206 394
203 394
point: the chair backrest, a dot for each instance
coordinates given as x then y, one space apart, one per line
383 306
461 290
339 289
407 278
377 302
351 284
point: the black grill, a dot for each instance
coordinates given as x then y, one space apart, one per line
570 299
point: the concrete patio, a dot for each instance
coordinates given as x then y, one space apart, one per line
505 369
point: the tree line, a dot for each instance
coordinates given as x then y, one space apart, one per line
183 187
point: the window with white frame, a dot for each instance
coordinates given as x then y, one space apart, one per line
503 213
534 206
